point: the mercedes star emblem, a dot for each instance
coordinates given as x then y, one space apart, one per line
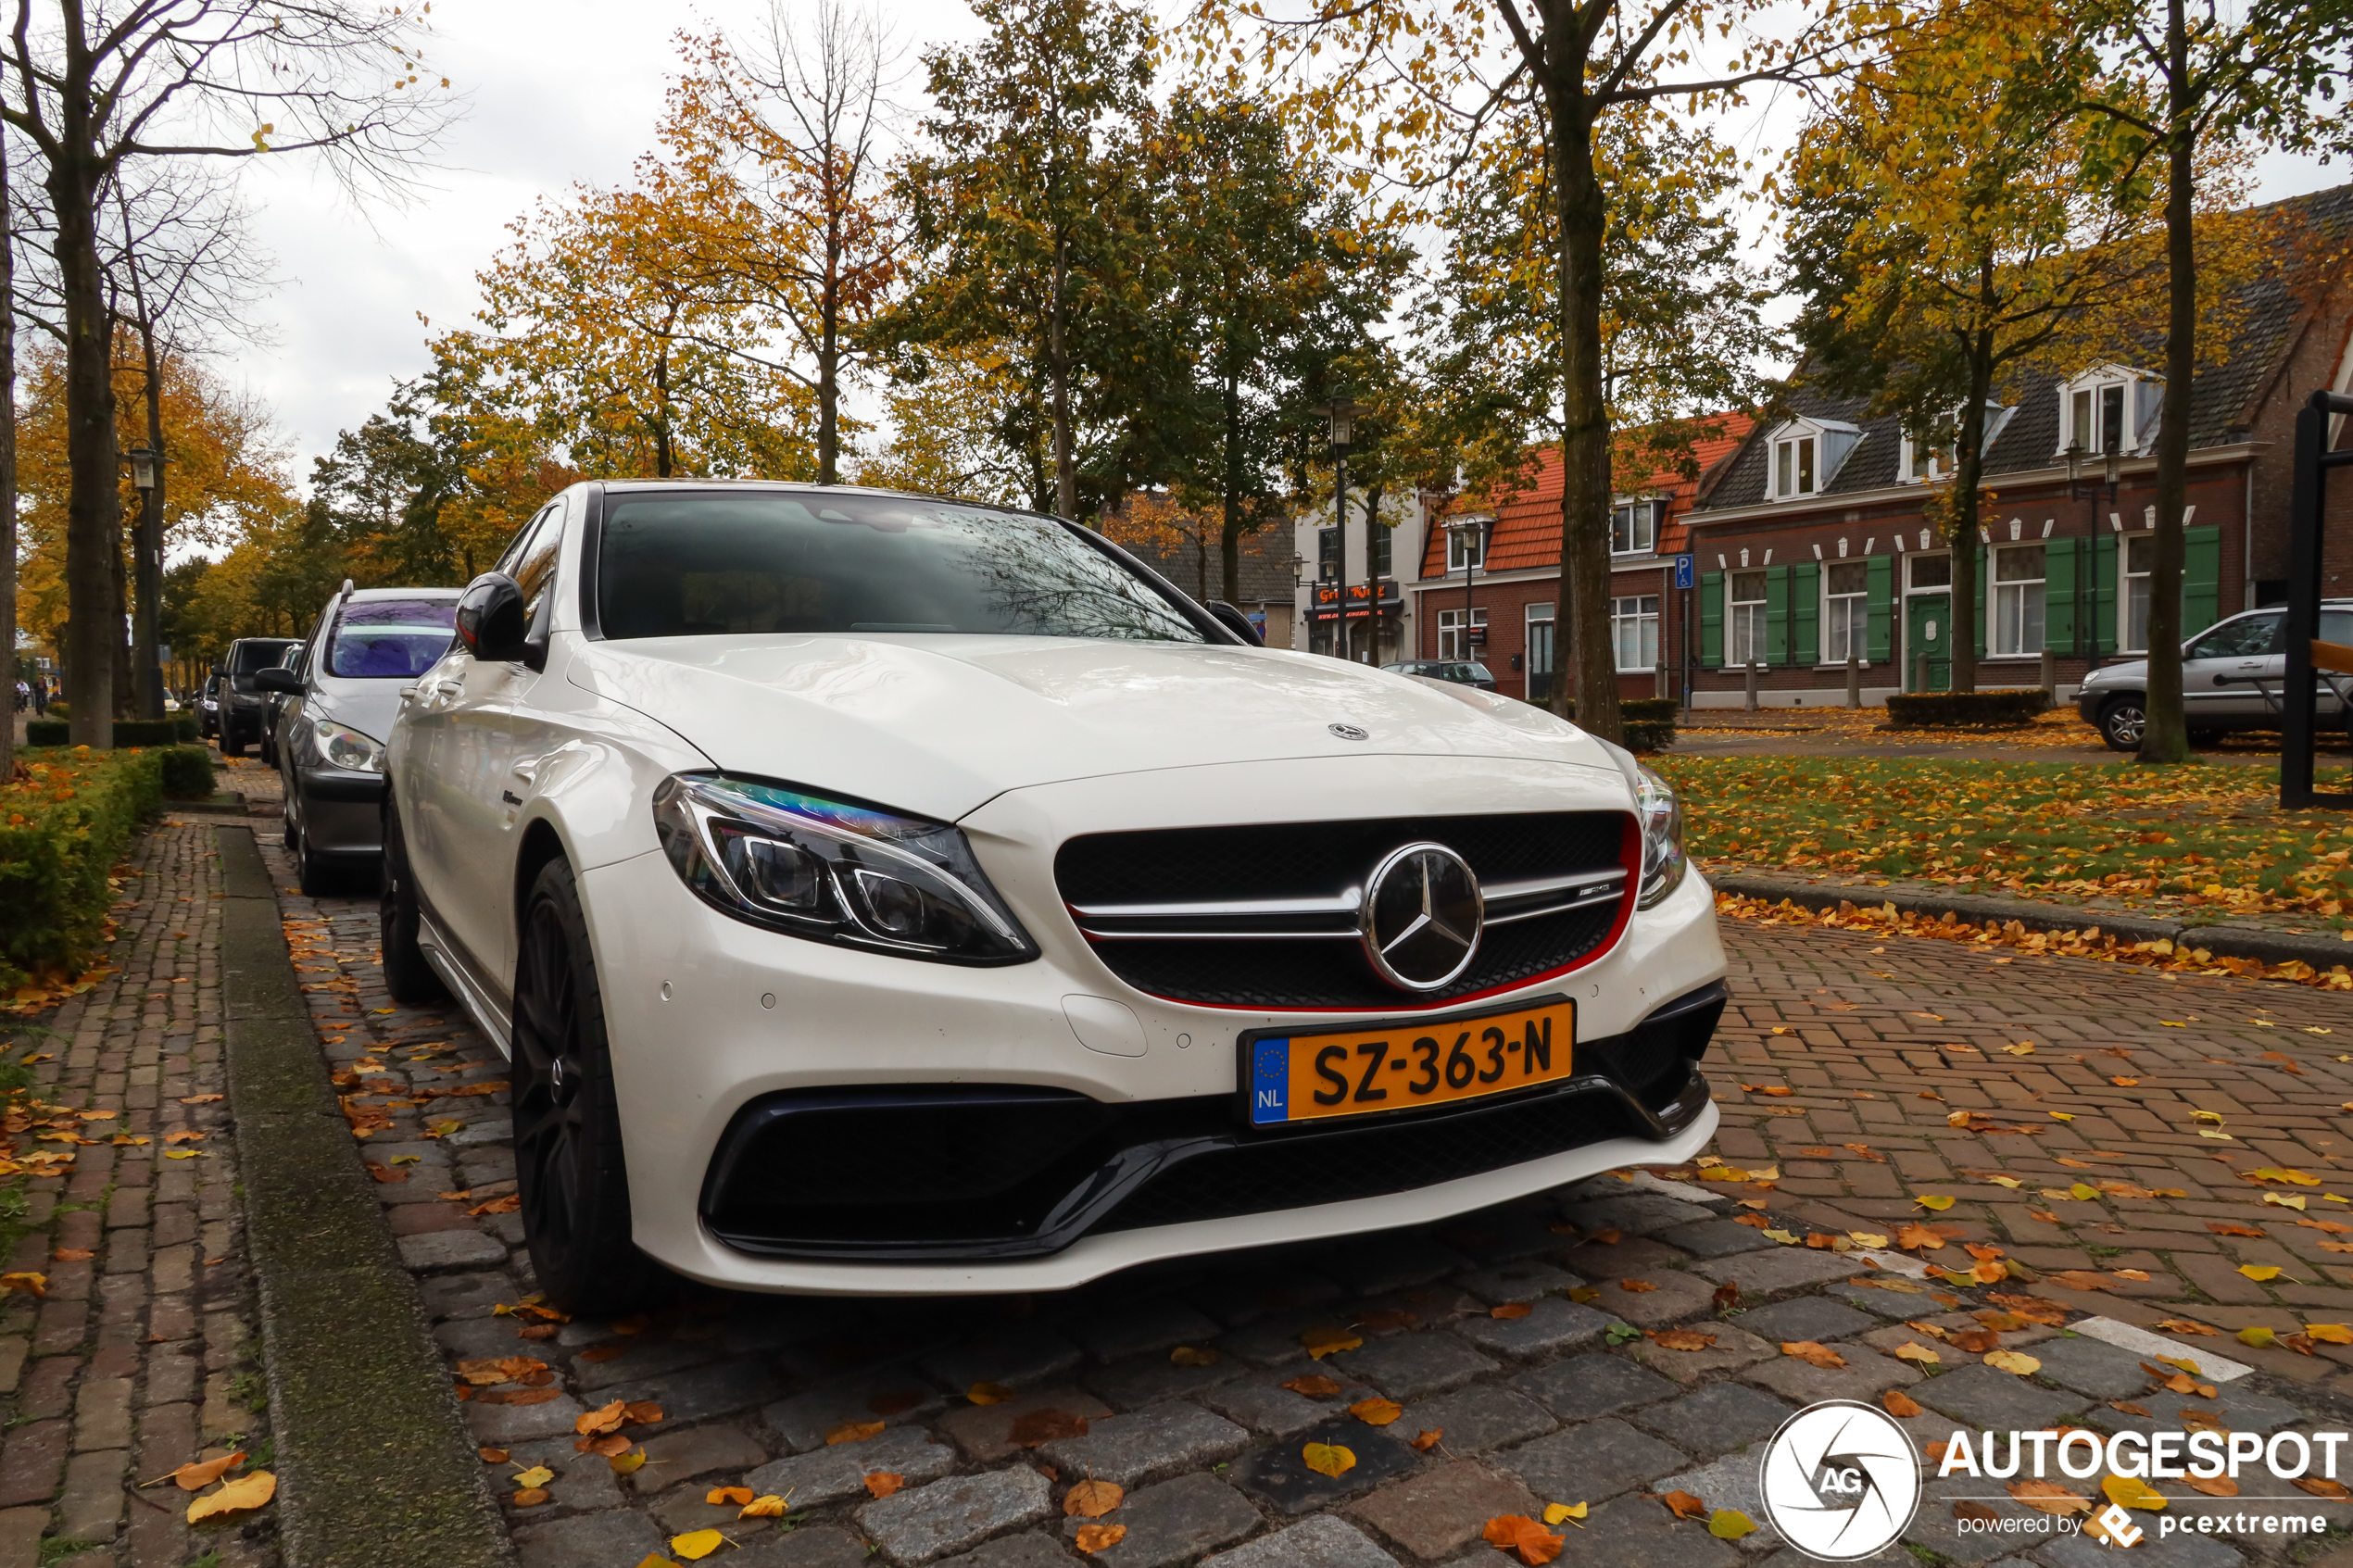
1421 918
1347 732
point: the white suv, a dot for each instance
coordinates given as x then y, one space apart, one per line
878 894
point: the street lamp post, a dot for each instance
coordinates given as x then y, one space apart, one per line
1340 424
146 624
1298 611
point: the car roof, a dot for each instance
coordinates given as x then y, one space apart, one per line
802 486
362 595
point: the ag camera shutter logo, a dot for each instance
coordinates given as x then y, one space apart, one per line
1841 1480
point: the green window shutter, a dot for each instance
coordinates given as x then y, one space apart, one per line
1776 615
1711 620
1880 610
2104 593
2201 578
1806 604
2058 594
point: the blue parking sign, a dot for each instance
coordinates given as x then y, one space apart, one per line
1683 572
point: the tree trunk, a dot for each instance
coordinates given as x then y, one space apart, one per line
2167 737
1961 622
662 454
93 508
829 348
8 470
1058 361
1230 538
1585 466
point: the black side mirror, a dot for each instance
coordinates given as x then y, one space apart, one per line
277 678
1234 620
490 619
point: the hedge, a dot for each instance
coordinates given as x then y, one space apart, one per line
46 732
1937 710
187 772
64 823
1649 721
177 730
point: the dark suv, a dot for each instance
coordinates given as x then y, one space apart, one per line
243 704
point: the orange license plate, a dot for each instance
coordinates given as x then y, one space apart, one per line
1402 1066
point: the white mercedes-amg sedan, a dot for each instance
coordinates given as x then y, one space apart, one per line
878 894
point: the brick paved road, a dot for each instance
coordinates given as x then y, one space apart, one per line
1532 1408
140 1359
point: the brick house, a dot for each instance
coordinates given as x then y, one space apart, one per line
1812 541
1508 602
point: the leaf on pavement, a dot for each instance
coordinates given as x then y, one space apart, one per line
1328 1459
1428 1440
696 1545
1093 1498
1900 1404
244 1492
852 1431
2213 1486
1510 1310
608 1418
2128 1491
1191 1355
1913 1237
1565 1513
1377 1413
2049 1497
2320 1488
624 1465
1680 1339
879 1484
1911 1351
1682 1505
2259 1272
768 1507
1327 1339
738 1495
2256 1337
196 1474
989 1393
1044 1426
1518 1533
1092 1538
1635 1286
2014 1361
1814 1354
1729 1524
538 1476
1935 1200
1315 1386
2330 1333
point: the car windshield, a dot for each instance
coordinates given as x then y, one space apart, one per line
389 639
684 565
250 657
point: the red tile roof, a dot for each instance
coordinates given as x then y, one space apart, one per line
1527 523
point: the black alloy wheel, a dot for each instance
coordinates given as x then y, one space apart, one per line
568 1156
409 977
2122 723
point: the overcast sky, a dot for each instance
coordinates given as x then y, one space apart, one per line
557 93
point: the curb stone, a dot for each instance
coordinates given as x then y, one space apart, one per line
2223 941
376 1469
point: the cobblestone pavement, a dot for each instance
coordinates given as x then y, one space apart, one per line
1877 1046
141 1357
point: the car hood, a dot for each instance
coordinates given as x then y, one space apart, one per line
939 724
2129 673
367 706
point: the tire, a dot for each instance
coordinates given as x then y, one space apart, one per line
409 977
313 876
2122 722
232 744
567 1157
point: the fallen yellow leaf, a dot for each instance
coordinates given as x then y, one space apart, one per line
2259 1272
696 1545
1935 1200
1328 1459
1731 1525
1564 1513
2013 1361
2128 1491
244 1492
1094 1499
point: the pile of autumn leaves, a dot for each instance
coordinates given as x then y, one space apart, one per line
1885 919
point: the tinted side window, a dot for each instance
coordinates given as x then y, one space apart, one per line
534 566
2253 637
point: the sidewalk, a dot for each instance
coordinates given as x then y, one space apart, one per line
141 1357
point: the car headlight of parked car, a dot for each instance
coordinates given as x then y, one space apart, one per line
1662 819
835 872
346 748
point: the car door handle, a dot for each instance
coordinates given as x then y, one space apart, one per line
450 688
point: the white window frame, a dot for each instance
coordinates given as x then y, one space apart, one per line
1466 540
1641 527
2126 581
1846 618
1827 443
1747 628
1639 618
2030 595
2082 401
1943 458
1451 644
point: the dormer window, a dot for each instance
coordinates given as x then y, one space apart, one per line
1465 548
1633 528
2109 409
1938 458
1806 454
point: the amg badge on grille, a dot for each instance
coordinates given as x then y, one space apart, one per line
1421 918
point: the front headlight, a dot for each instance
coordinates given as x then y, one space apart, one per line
346 748
1662 819
835 872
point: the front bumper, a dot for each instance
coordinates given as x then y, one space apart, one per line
2088 701
342 811
717 1026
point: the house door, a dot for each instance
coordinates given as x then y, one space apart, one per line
1928 632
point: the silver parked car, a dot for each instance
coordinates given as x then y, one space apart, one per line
337 707
2233 674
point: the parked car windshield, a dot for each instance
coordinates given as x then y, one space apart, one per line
248 657
685 565
385 639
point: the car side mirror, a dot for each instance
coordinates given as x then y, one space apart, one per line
491 625
1234 620
277 678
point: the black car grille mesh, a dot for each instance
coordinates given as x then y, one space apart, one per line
1323 859
1370 1161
